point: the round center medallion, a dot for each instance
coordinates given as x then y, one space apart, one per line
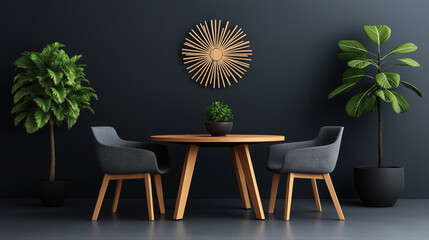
216 54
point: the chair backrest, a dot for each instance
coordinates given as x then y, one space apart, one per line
106 135
329 135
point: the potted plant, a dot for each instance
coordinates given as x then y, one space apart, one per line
378 186
217 116
48 90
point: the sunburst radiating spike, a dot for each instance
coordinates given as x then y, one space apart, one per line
225 73
224 33
209 36
194 44
230 34
198 39
234 38
194 60
202 35
237 45
218 33
205 72
234 68
232 43
194 66
215 54
199 70
204 68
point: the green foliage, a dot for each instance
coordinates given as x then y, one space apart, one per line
378 34
381 83
49 86
218 112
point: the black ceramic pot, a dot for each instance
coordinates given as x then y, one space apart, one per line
218 128
379 187
52 194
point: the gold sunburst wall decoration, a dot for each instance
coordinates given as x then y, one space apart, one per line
216 55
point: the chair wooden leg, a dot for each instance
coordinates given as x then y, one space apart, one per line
149 197
160 196
289 190
316 195
331 189
274 187
241 179
117 194
100 197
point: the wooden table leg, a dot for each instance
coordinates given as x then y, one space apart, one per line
246 163
241 179
185 180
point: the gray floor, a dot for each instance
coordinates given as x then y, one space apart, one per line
213 219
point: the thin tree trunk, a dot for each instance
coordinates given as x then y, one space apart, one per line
380 120
380 134
52 172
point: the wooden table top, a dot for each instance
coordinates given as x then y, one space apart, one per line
206 138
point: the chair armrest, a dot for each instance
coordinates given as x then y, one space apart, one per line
117 160
318 159
277 152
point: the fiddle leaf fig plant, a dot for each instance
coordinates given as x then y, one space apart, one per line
382 84
218 112
49 90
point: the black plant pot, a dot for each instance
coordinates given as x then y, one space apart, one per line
379 187
218 128
52 194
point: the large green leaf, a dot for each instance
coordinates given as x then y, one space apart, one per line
409 62
59 94
357 104
388 79
44 104
402 102
58 113
399 103
351 46
23 62
20 117
372 104
71 121
24 92
30 124
359 64
378 34
342 88
41 118
19 107
404 48
380 94
412 87
21 82
353 75
347 56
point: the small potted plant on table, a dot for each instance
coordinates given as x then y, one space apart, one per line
48 90
377 186
217 116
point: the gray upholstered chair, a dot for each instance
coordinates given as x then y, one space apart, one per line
120 159
313 159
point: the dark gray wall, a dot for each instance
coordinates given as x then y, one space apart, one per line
132 49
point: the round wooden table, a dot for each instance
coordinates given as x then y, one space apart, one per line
242 163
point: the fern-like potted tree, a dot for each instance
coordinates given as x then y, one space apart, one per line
218 115
378 186
48 90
